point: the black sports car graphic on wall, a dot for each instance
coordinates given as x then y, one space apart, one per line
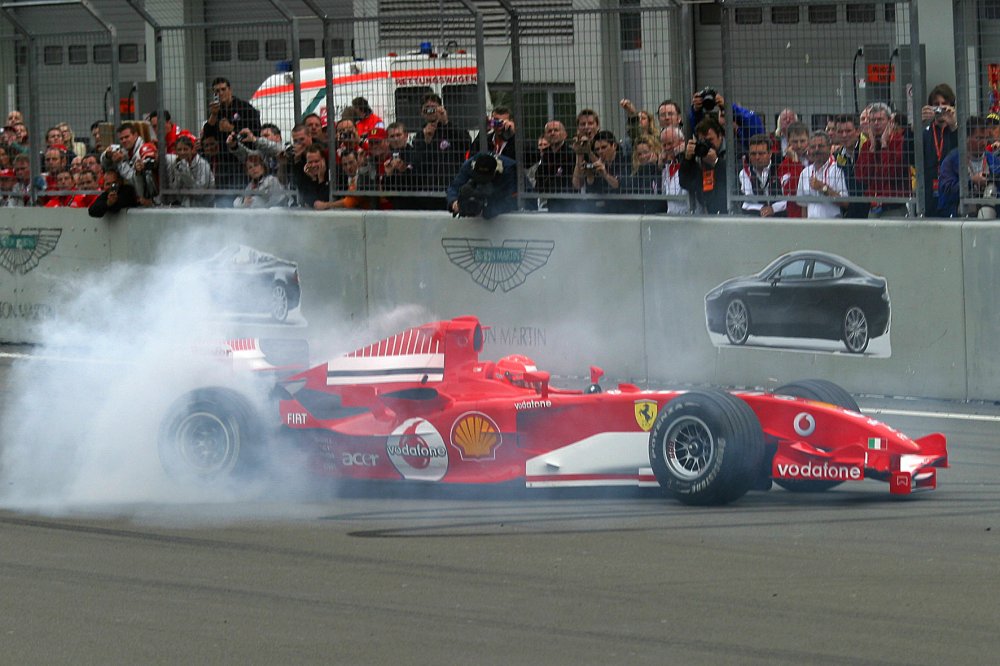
804 294
246 281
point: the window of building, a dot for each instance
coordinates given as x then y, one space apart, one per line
710 14
53 55
248 50
220 50
128 53
822 13
102 54
77 54
860 13
307 48
749 15
784 15
275 49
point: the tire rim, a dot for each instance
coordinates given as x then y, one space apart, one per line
205 443
688 448
279 302
736 321
855 329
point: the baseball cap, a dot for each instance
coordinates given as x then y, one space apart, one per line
379 134
7 173
483 168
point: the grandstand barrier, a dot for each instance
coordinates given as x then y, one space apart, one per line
621 292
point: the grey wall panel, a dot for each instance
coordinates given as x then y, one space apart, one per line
623 293
329 251
42 253
982 308
564 290
684 259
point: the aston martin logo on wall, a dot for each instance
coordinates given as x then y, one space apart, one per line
20 252
505 266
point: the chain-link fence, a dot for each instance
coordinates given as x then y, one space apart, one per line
968 180
427 84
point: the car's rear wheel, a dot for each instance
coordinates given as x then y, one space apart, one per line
819 390
854 330
279 301
737 322
208 434
706 447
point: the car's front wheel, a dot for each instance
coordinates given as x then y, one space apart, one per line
208 434
737 322
819 390
854 330
706 447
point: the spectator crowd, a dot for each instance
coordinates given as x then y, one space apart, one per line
676 161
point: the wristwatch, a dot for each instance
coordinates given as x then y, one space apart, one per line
826 189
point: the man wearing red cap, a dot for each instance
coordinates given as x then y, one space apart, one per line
147 175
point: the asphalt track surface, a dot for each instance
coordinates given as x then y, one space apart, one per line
454 576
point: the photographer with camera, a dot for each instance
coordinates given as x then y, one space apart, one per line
117 195
440 149
940 138
124 154
500 132
147 176
703 171
599 169
707 102
486 186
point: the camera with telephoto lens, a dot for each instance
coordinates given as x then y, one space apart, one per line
709 100
701 147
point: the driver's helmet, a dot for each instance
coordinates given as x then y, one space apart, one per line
511 369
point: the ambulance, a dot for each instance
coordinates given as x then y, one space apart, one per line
394 86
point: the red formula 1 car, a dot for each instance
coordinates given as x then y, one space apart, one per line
422 406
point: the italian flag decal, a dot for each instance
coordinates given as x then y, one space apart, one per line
876 443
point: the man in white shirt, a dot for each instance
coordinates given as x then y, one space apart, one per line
822 178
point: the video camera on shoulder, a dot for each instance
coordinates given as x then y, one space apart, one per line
709 100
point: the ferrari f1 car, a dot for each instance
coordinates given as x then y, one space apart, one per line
422 406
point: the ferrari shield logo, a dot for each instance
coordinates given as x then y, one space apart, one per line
645 413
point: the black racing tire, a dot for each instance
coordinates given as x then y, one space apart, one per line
737 321
280 301
854 330
705 447
211 434
819 390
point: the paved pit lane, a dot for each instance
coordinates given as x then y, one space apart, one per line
449 576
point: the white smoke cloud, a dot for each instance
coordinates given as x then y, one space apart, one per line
81 419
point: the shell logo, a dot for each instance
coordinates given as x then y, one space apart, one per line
476 436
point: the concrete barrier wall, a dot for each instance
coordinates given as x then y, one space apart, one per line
622 292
